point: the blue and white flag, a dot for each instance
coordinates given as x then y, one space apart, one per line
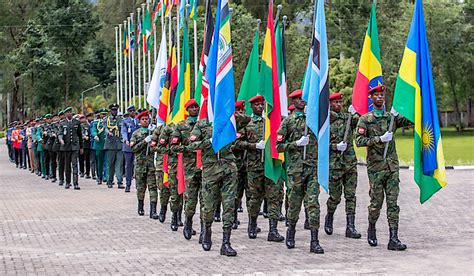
159 74
316 93
220 74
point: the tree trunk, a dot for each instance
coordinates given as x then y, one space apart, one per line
452 83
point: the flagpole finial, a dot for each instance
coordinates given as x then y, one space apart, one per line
138 10
259 21
279 7
131 15
143 6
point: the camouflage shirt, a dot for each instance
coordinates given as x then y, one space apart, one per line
346 159
143 154
180 141
248 137
155 137
240 153
163 145
369 129
292 129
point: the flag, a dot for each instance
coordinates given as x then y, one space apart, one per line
251 76
159 74
156 13
220 74
415 99
193 12
369 74
147 41
269 88
168 7
139 29
126 42
202 85
316 93
183 93
169 86
131 30
281 57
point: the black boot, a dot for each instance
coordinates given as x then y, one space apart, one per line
265 208
174 221
120 186
201 234
315 247
141 212
252 230
53 180
76 186
127 189
395 243
371 236
306 221
162 215
290 236
273 234
180 222
217 215
61 182
153 214
188 228
236 222
351 231
226 249
68 185
328 223
206 239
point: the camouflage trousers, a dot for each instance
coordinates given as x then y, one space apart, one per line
145 177
193 181
242 186
261 187
219 181
164 191
384 183
343 181
176 200
304 187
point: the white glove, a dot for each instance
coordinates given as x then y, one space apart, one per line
260 145
303 141
352 110
210 140
387 137
394 112
341 146
96 138
152 127
148 139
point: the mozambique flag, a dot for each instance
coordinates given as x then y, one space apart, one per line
183 93
251 76
147 38
269 87
415 99
369 74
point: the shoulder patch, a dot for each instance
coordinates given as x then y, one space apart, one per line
361 131
162 141
174 140
192 138
280 137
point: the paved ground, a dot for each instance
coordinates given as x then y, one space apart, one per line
45 229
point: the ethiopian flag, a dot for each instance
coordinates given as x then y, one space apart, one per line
369 74
270 89
415 99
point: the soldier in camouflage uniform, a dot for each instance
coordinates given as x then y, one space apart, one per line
144 165
192 174
373 133
260 187
302 173
219 174
343 165
176 200
164 191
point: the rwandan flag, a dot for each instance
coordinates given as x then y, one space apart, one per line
369 74
316 93
269 87
415 99
220 74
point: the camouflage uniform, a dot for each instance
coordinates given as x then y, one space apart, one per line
144 165
343 173
302 174
164 191
383 173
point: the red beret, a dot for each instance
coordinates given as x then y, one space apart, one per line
378 88
240 104
336 96
296 94
191 103
142 114
291 107
256 98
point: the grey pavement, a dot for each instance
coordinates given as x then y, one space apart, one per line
45 229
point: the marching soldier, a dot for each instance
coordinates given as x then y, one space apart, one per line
373 132
164 191
39 148
343 165
218 182
302 178
98 132
129 125
92 158
46 131
70 137
192 174
144 165
55 146
85 164
113 147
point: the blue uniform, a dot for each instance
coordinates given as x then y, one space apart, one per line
129 125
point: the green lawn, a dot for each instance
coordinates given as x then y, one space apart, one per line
458 148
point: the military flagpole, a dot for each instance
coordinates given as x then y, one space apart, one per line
133 58
125 73
129 96
117 77
143 58
120 72
138 39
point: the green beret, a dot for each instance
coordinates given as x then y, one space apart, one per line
61 113
48 116
104 110
68 109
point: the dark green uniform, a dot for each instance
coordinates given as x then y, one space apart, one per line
70 137
98 134
113 149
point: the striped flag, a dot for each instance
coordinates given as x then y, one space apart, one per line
147 41
316 93
169 86
270 89
415 99
369 74
220 74
126 43
281 57
168 7
193 12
